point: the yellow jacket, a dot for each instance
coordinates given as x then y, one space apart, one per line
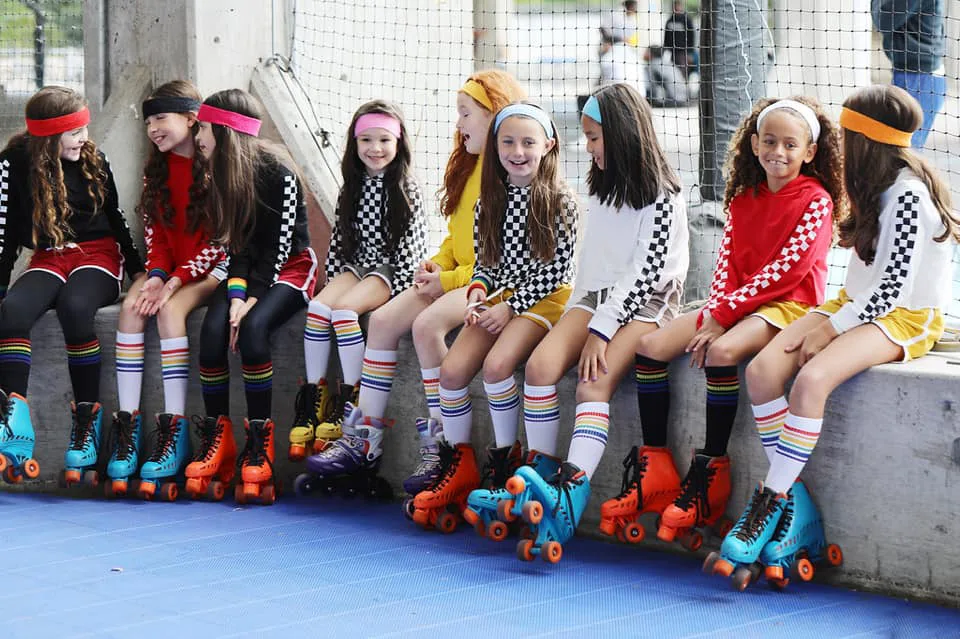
456 256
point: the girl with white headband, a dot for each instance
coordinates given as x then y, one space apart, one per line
525 234
783 187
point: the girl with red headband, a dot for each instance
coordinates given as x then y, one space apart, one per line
256 202
57 197
901 230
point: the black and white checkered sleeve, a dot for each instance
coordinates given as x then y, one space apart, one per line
413 245
335 262
547 277
288 220
484 276
9 247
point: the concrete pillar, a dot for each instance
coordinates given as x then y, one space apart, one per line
491 27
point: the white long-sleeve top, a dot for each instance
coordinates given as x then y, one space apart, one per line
910 269
633 253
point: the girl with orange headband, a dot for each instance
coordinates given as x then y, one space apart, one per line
57 197
900 228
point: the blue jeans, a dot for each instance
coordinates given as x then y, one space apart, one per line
929 90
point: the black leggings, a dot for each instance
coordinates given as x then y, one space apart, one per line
277 305
76 301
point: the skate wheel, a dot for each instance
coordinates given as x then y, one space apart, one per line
408 508
194 487
834 555
773 573
71 477
634 533
250 490
778 584
722 567
525 550
497 531
447 523
480 528
515 485
755 570
91 478
709 564
147 489
31 469
532 512
108 491
238 494
742 578
268 495
11 476
471 517
692 541
421 518
169 491
303 484
803 569
216 490
505 511
551 552
297 452
3 463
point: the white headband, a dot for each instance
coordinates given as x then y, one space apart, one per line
802 110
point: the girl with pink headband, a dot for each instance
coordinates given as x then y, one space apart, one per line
58 198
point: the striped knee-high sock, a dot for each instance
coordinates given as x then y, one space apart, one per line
129 370
723 392
376 380
541 417
589 438
431 388
316 341
83 362
653 399
258 386
349 344
504 398
457 411
215 386
175 363
769 418
797 440
15 365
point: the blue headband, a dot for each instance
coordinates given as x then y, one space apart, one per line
592 109
526 110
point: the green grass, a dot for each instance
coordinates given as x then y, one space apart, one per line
64 25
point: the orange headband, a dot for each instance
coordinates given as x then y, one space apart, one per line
874 129
476 91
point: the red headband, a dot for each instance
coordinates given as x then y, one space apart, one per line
232 119
60 124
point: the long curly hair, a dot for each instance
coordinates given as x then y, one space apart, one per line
744 171
395 179
154 205
548 192
871 167
502 89
51 210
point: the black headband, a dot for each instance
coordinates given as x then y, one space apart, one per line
154 106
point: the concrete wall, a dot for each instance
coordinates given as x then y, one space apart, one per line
886 472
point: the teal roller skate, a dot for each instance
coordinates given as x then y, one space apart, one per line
551 507
799 541
489 510
16 439
741 547
170 456
80 460
125 436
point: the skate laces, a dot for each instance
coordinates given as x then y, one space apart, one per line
82 429
496 470
6 408
695 490
122 433
563 480
450 467
254 452
762 505
164 440
209 434
429 460
301 407
785 520
633 471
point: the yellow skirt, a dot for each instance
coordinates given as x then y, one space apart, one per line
915 331
781 314
544 313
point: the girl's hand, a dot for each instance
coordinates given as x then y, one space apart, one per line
593 359
476 300
148 301
709 331
496 318
173 285
813 342
428 283
238 310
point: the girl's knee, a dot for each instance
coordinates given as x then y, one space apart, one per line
811 386
541 370
425 327
721 353
498 366
599 391
453 376
171 321
649 346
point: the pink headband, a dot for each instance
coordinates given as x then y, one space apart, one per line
377 121
232 119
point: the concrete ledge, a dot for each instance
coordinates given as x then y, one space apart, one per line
886 472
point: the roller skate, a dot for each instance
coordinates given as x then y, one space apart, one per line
798 543
16 439
80 460
431 462
215 462
441 505
490 510
166 462
741 547
650 484
310 410
256 464
125 435
551 507
349 465
702 503
331 428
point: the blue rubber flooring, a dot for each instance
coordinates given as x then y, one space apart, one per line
334 568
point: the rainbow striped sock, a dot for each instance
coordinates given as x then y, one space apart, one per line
175 363
431 388
316 341
457 412
83 362
797 440
15 364
376 380
350 344
589 438
653 398
504 398
723 393
215 386
769 418
258 385
541 417
129 370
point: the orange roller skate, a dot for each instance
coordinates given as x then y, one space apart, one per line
701 504
441 505
214 464
650 484
256 464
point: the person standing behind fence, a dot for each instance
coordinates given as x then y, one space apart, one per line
903 234
914 39
58 197
257 203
